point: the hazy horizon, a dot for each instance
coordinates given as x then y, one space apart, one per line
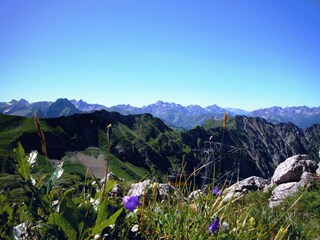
248 55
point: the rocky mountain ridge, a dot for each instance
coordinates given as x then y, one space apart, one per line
301 116
174 115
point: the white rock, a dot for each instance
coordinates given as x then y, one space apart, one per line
281 192
306 179
137 189
290 170
249 184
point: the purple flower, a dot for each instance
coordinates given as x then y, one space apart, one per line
130 202
214 225
216 190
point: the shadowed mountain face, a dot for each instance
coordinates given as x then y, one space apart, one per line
268 144
145 141
61 107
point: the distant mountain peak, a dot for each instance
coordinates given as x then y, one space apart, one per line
23 101
173 114
61 107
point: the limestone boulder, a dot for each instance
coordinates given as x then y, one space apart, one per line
253 183
161 190
307 179
318 171
138 189
292 169
281 192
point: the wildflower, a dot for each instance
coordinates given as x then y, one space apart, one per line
32 158
135 228
252 221
225 226
214 225
20 231
216 190
130 202
95 203
59 171
33 181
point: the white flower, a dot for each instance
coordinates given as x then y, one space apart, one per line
60 170
55 202
33 181
95 203
97 236
32 157
135 228
225 226
20 231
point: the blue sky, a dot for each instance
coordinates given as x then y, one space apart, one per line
244 54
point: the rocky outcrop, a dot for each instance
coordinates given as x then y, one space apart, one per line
163 190
292 169
249 184
294 173
291 175
138 189
281 192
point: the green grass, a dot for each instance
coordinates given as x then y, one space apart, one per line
94 152
74 168
126 170
247 218
12 128
174 216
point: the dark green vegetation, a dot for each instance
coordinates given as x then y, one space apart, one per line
64 204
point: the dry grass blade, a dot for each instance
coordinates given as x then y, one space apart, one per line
225 119
41 136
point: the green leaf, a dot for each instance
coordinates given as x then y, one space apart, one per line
54 177
102 225
103 211
69 209
23 167
110 185
5 211
63 225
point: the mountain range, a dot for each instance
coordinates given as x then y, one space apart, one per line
173 114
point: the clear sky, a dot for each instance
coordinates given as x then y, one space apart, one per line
244 54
